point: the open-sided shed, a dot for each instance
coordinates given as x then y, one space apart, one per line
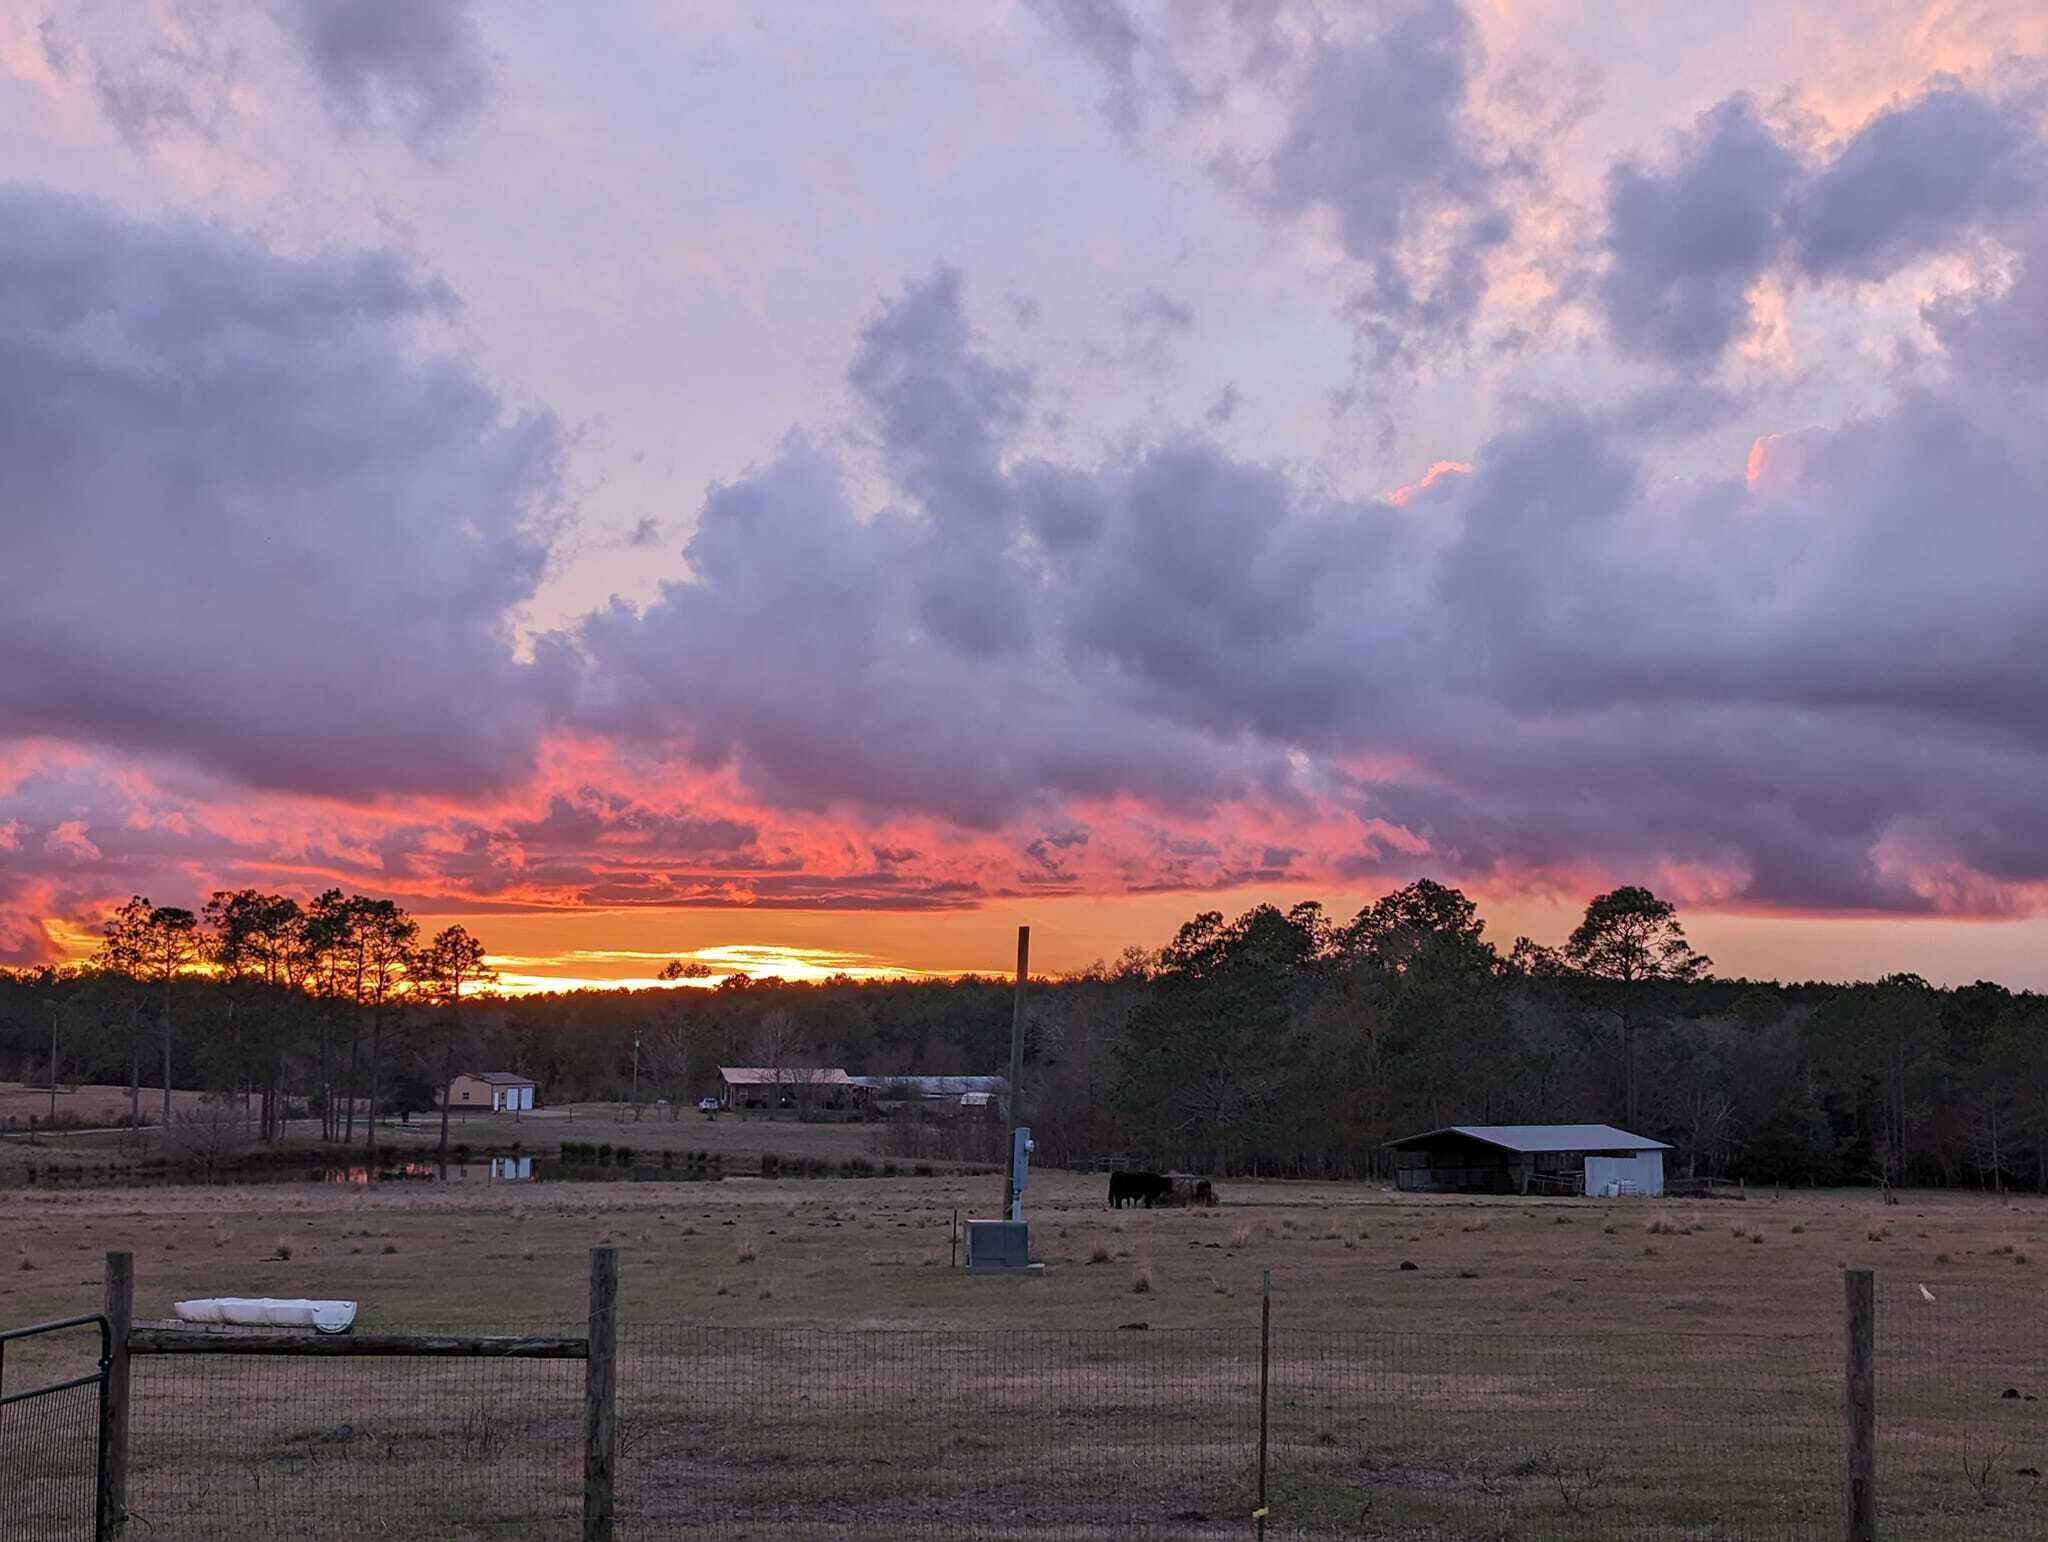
1529 1159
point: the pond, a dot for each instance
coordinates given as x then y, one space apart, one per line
306 1167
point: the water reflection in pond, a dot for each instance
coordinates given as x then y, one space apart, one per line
294 1167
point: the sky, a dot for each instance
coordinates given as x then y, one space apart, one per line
813 487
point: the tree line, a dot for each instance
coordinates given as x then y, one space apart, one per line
257 997
1285 1042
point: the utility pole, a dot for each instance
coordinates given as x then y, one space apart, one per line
1016 1097
54 1010
636 1076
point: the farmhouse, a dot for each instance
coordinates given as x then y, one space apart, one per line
499 1091
802 1090
1529 1159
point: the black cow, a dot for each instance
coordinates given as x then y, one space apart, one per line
1145 1189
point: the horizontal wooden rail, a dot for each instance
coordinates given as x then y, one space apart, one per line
177 1341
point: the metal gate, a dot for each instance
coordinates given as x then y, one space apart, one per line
53 1435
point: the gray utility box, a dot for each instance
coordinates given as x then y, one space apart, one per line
1000 1247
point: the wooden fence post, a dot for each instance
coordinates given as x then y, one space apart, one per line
1862 1368
119 1305
600 1397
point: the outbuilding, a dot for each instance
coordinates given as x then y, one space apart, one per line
936 1097
499 1091
1529 1159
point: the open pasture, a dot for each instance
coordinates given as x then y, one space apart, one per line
873 1251
797 1358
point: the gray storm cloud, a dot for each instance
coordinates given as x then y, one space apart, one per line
245 523
418 68
1379 129
1814 674
1735 199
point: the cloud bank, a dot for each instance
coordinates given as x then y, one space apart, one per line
271 536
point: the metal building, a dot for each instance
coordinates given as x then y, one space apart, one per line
1529 1159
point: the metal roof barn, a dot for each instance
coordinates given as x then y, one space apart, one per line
1529 1159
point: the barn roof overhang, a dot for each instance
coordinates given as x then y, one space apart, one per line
1531 1139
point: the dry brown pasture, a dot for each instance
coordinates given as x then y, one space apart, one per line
801 1350
88 1104
872 1252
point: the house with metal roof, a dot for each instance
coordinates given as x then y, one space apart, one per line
499 1091
800 1090
1529 1159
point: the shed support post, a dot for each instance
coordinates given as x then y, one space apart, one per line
1861 1320
600 1397
111 1501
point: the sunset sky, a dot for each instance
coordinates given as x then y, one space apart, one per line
815 485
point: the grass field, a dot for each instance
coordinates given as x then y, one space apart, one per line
802 1351
86 1105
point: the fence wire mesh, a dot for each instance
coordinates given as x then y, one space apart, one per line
1580 1432
1962 1409
276 1446
773 1433
49 1455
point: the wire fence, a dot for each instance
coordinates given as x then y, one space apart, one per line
1576 1431
50 1400
1962 1395
387 1446
47 1460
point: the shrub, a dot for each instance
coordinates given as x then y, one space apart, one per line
1481 1224
1141 1280
745 1253
922 1170
1096 1255
1241 1237
771 1165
